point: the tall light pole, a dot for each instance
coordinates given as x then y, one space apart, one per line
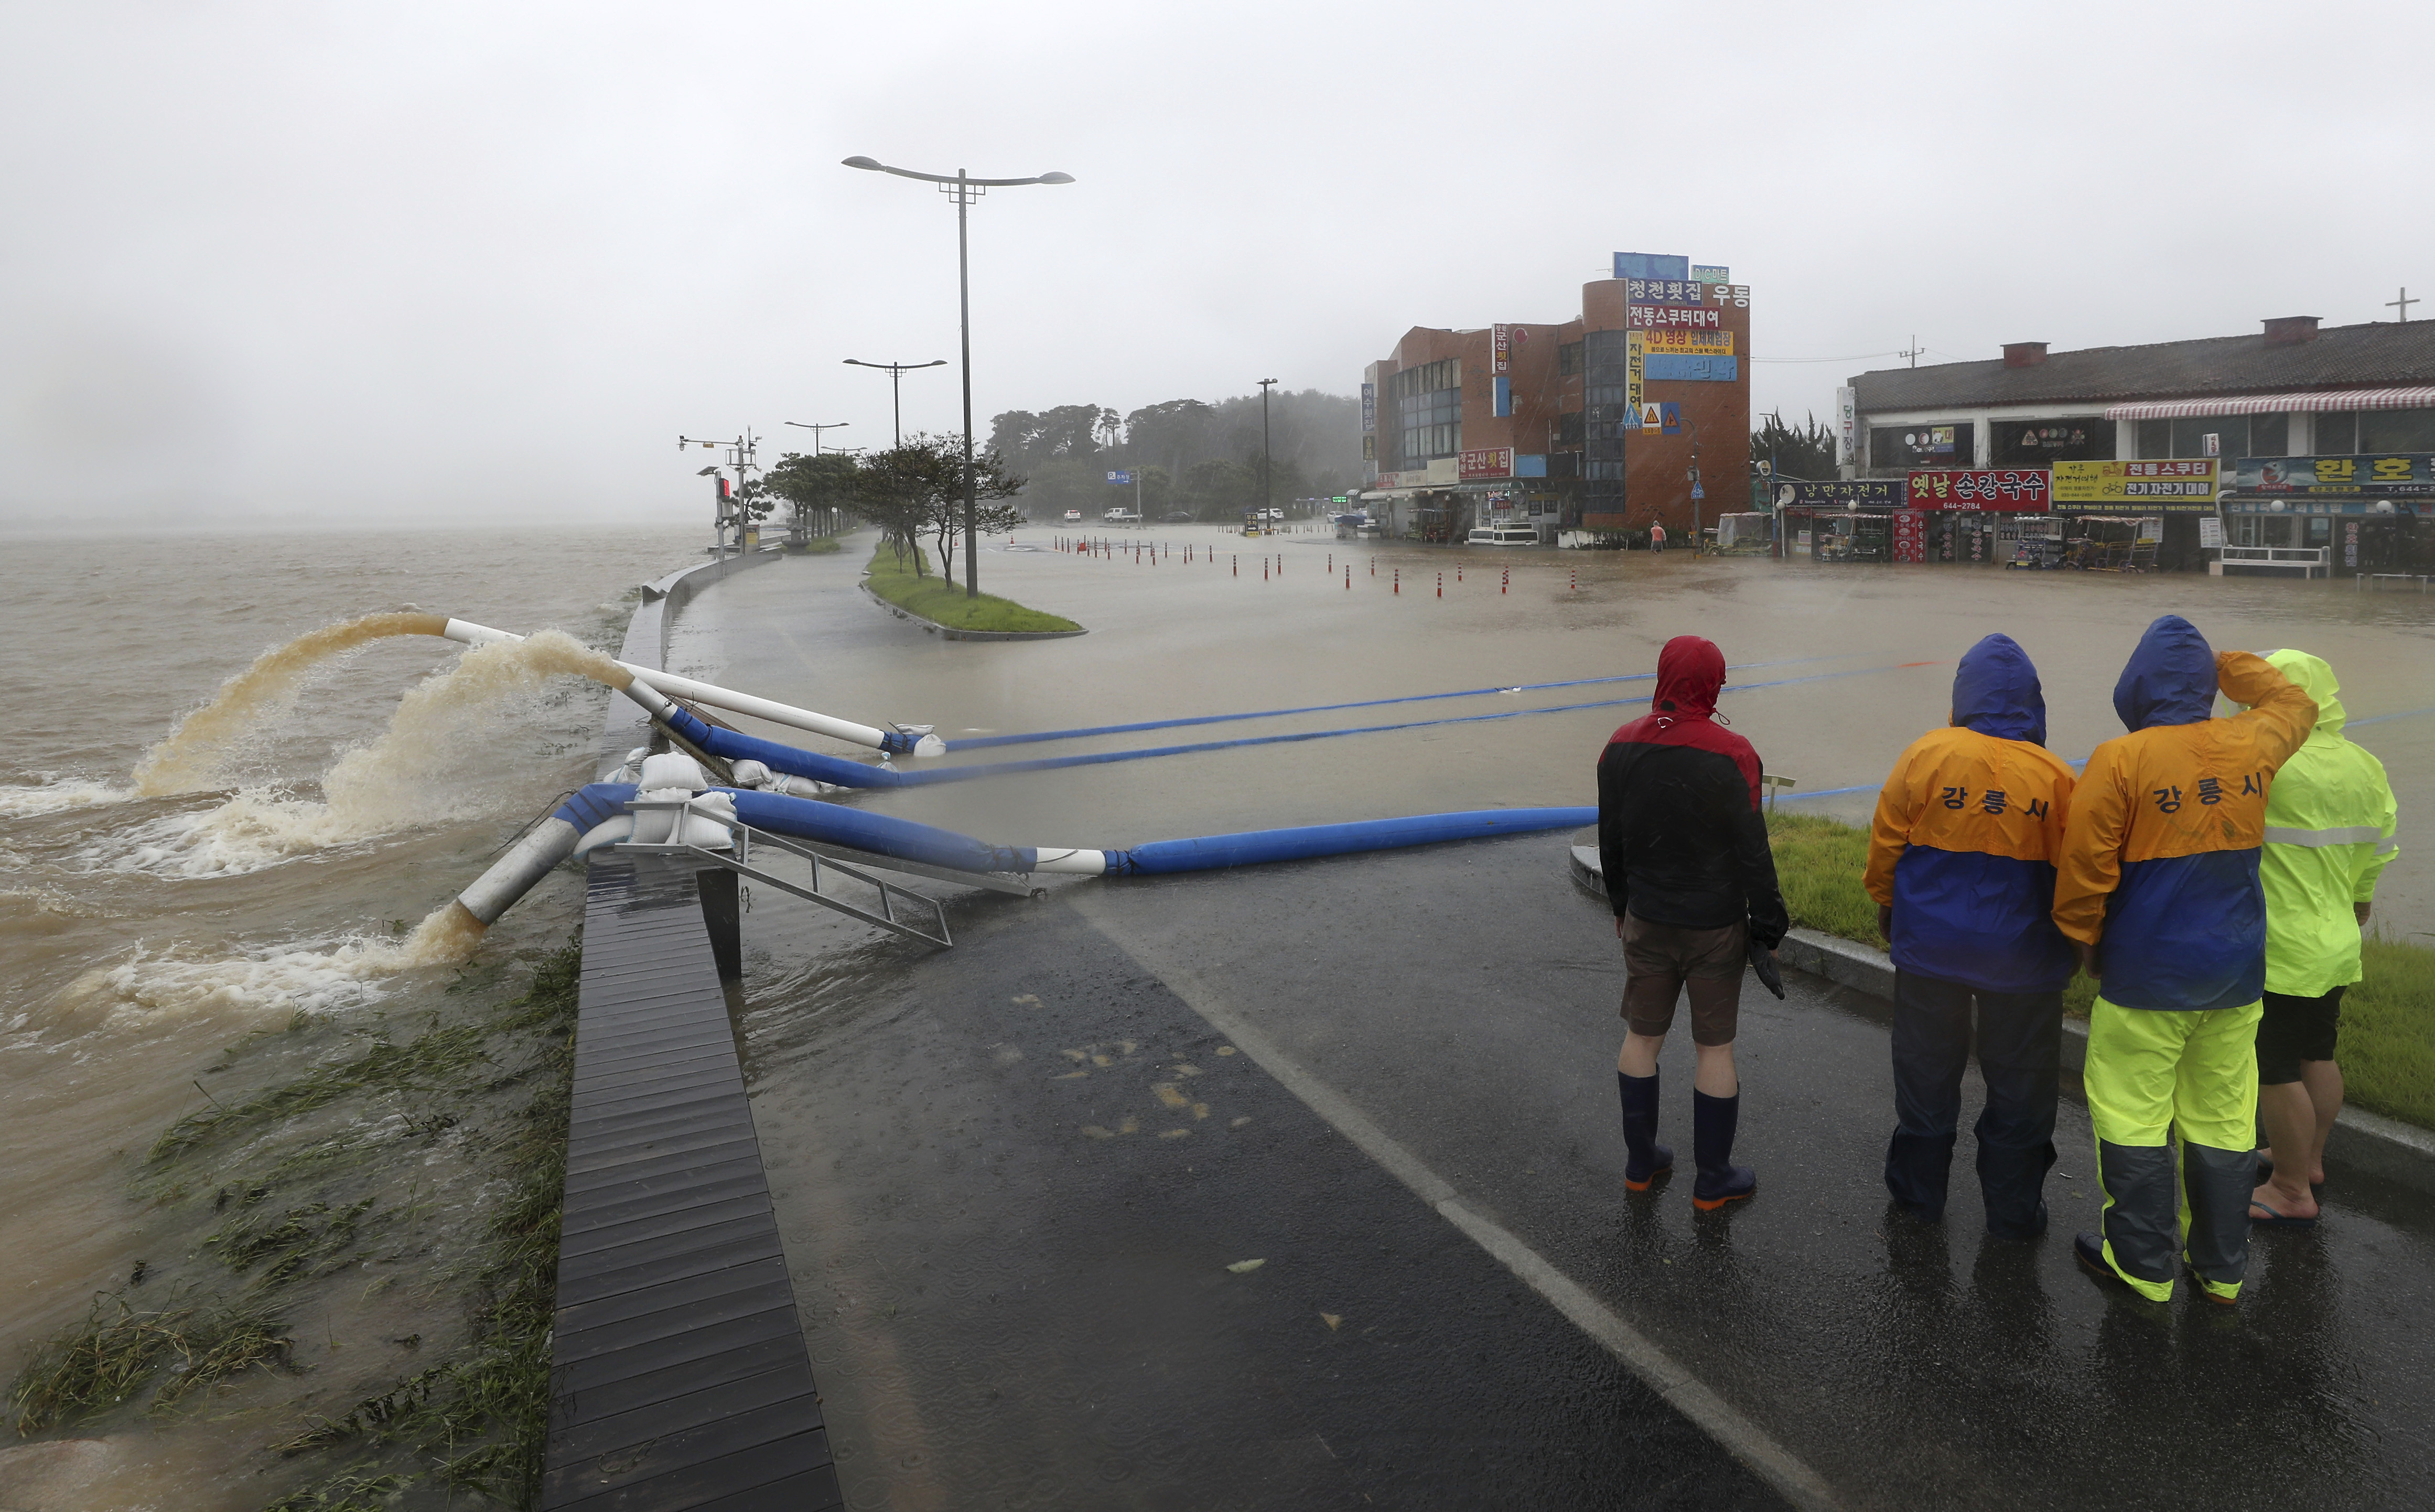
1266 383
816 429
964 189
896 372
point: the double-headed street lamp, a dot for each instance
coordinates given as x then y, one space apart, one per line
964 189
896 372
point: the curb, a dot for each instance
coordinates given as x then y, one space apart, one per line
951 633
2367 1142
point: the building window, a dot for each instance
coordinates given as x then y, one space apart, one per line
1446 373
1934 444
2043 442
2155 437
1568 430
1568 359
2321 530
2269 436
2229 431
2336 434
2396 430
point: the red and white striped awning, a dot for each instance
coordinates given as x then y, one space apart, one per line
2278 404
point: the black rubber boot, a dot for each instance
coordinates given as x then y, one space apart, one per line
1712 1145
1648 1159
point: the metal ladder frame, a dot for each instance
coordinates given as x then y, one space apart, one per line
740 863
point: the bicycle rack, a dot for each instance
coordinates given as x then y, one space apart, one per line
740 863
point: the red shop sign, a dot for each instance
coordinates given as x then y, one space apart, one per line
2020 488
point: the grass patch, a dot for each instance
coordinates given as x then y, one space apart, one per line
116 1350
822 546
426 1063
480 1422
2388 1044
936 599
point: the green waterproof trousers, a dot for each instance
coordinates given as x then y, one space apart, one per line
2153 1075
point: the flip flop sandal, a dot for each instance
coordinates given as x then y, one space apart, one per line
2276 1220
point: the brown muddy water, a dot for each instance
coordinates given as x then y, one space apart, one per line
213 913
184 921
1837 669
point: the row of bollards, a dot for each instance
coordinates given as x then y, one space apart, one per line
1275 566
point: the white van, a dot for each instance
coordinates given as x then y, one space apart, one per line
1503 536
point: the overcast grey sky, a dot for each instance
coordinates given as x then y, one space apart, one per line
437 260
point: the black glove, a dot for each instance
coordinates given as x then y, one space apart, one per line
1763 962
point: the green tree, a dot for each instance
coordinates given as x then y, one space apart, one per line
917 489
807 484
1807 453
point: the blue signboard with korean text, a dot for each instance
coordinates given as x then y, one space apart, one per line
1661 367
1120 478
1646 264
2387 474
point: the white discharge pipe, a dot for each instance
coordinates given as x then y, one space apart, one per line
468 633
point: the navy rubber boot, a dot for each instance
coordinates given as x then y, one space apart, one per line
1712 1145
1648 1159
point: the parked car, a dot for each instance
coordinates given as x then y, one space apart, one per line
1073 517
1502 536
1177 517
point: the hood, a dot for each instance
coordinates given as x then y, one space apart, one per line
2316 679
2171 678
1996 692
1689 672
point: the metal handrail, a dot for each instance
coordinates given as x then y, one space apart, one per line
743 835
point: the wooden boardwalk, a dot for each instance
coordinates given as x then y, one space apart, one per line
678 1376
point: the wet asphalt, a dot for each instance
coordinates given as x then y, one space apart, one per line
1011 1225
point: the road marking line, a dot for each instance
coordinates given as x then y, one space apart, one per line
1739 1437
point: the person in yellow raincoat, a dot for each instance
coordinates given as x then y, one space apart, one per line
2158 887
2329 823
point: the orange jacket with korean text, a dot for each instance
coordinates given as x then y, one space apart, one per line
2159 866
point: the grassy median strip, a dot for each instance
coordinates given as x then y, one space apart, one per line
944 603
2388 1044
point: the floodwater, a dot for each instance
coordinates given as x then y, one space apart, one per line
989 1308
1837 667
147 922
1016 1178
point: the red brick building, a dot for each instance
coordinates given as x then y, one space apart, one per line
1596 423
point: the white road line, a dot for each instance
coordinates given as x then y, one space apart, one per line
1742 1439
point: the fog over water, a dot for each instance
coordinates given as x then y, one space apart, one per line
278 262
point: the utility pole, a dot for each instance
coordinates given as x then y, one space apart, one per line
1914 350
1266 383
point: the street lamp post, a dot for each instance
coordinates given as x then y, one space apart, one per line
896 372
964 189
1266 383
816 429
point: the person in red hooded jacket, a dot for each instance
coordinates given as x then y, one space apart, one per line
1684 849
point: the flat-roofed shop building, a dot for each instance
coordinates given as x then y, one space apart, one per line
2276 411
1595 424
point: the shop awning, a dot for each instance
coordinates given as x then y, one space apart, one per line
2319 402
1387 494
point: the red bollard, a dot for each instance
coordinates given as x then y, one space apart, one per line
1575 585
1373 566
1238 567
1331 564
1458 572
1347 577
1264 569
1441 585
1398 579
1505 581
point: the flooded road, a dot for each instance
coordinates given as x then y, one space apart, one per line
1016 1178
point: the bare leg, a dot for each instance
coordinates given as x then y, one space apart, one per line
1638 1057
2324 1079
1716 1073
2290 1120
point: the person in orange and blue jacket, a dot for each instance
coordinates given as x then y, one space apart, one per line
2158 886
1962 865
